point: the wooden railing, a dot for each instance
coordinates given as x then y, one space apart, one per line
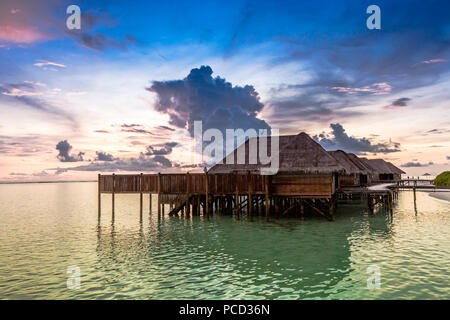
192 183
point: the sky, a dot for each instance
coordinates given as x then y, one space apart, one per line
121 94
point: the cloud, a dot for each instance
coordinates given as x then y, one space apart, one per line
376 88
142 163
28 94
21 34
91 39
21 146
134 128
43 63
164 149
214 101
165 128
27 88
416 164
398 103
64 149
103 156
348 62
98 41
339 139
432 61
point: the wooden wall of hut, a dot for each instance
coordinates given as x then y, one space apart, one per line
301 185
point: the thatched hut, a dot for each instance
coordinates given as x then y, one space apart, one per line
368 170
305 168
397 172
355 174
383 171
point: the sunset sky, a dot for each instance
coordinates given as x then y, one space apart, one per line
118 94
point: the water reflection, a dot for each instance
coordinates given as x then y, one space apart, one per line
237 258
195 258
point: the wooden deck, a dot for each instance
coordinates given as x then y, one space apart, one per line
241 193
236 192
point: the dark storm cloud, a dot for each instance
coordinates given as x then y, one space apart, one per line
87 37
161 149
416 164
64 152
142 163
402 102
339 139
134 128
103 156
165 128
216 102
398 103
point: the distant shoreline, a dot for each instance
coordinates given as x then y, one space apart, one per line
440 195
28 182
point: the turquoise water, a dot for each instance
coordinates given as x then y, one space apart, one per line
45 228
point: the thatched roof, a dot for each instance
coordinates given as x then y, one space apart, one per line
298 154
362 165
345 160
382 167
394 168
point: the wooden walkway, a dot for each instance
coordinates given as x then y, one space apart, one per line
203 193
239 193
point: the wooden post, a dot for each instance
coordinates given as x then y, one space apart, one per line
150 203
302 209
113 190
331 203
188 204
414 191
250 198
266 190
141 195
207 194
159 193
236 197
198 206
99 197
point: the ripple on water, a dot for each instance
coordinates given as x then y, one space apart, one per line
223 258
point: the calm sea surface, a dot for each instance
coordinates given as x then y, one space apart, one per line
45 228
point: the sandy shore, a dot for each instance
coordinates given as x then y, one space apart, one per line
440 195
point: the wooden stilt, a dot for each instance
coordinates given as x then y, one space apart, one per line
302 209
159 193
99 197
331 212
206 195
188 204
141 195
150 203
250 198
236 197
266 195
313 206
112 195
198 205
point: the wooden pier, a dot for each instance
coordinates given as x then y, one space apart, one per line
309 181
237 193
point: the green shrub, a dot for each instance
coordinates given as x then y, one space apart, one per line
443 179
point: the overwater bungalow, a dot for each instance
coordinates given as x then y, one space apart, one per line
305 168
382 171
307 180
355 174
